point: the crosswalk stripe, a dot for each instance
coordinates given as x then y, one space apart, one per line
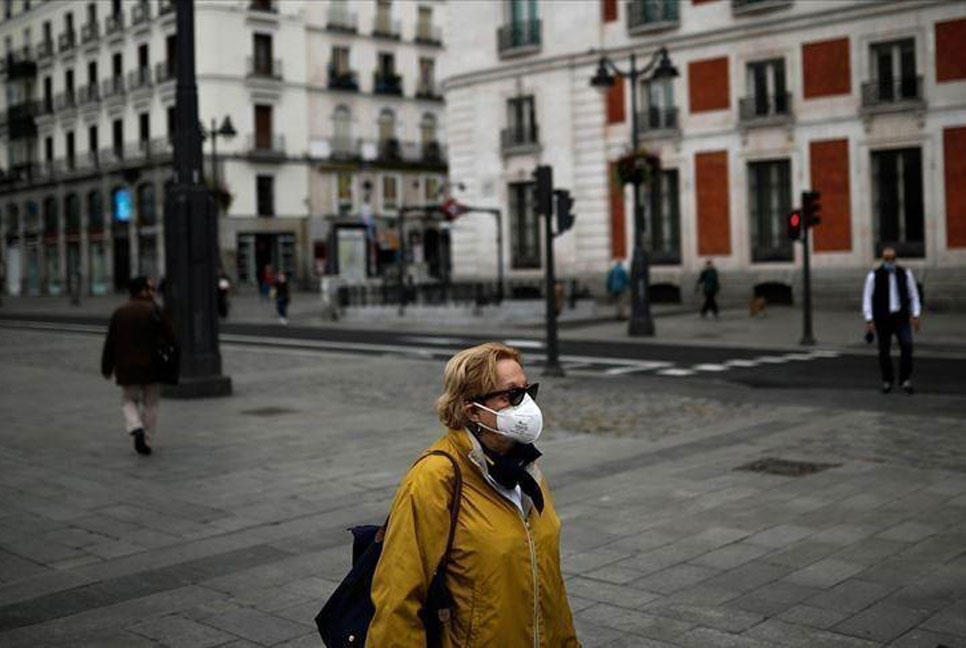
639 366
738 362
710 367
676 372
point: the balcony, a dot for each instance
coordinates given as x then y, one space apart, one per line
88 94
342 147
390 150
45 50
165 7
765 110
139 79
658 121
432 152
268 6
518 38
651 15
65 100
113 88
159 148
114 25
66 42
519 140
140 13
343 80
45 107
90 33
742 7
387 83
164 71
340 20
262 68
889 95
429 35
20 64
386 28
429 92
266 146
21 120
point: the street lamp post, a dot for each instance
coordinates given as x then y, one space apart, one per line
191 237
659 67
227 130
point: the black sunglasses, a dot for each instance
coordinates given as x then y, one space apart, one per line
514 395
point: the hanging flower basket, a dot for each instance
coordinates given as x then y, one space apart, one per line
221 195
636 167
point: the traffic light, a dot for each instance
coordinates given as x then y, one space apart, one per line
544 190
795 225
811 208
565 218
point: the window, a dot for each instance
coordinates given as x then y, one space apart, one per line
427 77
172 123
769 203
170 55
427 129
69 22
115 7
118 140
92 13
147 207
117 65
49 149
340 60
522 28
143 62
48 94
524 227
897 201
92 75
144 128
92 139
262 47
48 32
70 149
343 192
665 226
767 95
424 23
387 125
894 70
263 127
383 17
521 122
69 82
342 131
390 192
387 64
265 195
95 211
657 100
430 189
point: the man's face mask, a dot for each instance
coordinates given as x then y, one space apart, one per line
522 422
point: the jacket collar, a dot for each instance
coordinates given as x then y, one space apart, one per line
470 447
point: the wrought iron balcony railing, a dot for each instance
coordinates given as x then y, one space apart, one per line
264 68
739 7
644 14
386 28
164 71
266 145
344 147
90 33
765 108
112 87
428 91
429 35
114 24
658 119
386 83
340 20
140 13
343 80
892 94
45 49
139 79
518 37
66 41
390 149
268 6
66 100
519 139
89 93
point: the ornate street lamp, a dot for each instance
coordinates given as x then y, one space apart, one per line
659 67
227 130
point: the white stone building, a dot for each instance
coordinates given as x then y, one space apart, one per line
864 102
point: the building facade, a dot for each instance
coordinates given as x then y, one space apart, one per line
87 119
863 102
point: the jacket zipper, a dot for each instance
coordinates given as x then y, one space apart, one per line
536 591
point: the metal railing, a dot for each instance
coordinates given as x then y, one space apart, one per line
765 107
338 19
264 68
90 33
65 100
45 106
390 149
263 5
45 49
429 35
524 34
428 91
749 6
114 23
343 79
344 147
19 63
655 119
271 145
888 92
511 138
386 28
432 152
88 94
139 78
112 87
140 13
164 71
386 83
66 41
644 13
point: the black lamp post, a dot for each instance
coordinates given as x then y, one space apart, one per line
227 130
191 237
659 67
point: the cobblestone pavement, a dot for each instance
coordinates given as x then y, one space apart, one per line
233 532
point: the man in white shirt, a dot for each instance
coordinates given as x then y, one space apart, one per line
890 303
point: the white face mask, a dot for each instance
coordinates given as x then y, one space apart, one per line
522 423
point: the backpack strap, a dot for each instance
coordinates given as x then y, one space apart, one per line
454 507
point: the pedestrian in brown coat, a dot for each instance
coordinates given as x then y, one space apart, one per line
136 328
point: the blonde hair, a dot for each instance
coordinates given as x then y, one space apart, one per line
469 373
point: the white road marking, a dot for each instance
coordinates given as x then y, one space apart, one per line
710 367
646 365
426 339
771 359
741 363
524 344
822 353
676 372
799 356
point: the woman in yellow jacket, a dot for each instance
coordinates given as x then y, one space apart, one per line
503 571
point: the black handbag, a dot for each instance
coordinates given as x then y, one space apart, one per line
345 617
165 356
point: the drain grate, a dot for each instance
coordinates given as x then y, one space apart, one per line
268 411
786 468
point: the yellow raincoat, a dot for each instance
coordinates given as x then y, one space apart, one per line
504 567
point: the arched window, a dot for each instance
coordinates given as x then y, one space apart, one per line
342 131
387 125
147 209
427 129
72 212
50 215
95 211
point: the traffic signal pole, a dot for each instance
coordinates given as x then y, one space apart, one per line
544 203
808 339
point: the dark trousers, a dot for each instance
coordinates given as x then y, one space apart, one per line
899 326
281 305
709 305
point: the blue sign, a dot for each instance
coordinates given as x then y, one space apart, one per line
122 205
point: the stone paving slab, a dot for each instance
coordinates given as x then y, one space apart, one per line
233 532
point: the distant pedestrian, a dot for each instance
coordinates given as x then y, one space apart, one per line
708 283
617 284
890 303
224 287
281 297
268 281
136 329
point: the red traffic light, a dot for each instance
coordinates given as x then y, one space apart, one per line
795 225
795 219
